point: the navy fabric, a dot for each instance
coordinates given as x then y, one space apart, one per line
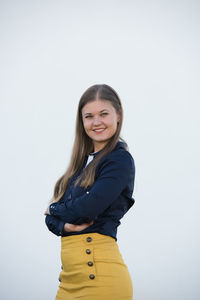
105 202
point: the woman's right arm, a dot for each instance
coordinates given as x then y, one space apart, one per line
58 227
54 224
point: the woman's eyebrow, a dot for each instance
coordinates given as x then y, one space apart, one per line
100 112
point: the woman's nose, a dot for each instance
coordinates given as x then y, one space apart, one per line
96 121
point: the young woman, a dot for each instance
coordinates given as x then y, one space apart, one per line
90 199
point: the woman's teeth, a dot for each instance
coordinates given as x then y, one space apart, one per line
99 130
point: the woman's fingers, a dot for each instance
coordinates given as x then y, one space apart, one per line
81 227
72 227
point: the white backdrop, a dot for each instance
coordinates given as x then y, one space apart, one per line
148 51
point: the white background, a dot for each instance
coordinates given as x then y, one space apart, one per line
148 51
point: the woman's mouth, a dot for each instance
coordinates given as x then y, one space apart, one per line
99 130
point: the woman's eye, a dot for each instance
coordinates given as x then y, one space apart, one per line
101 115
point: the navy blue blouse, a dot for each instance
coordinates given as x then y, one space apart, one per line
105 202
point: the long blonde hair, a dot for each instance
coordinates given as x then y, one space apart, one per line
83 144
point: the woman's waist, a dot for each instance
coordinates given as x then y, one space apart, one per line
89 239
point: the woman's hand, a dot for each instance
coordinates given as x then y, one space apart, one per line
47 212
72 227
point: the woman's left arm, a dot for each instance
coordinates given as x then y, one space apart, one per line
116 173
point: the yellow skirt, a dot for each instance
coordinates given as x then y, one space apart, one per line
93 269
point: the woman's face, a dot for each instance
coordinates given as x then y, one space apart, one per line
100 122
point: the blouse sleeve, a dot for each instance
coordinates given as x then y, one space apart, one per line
54 224
115 174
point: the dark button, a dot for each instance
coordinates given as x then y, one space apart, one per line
89 239
90 263
62 267
59 279
92 276
88 251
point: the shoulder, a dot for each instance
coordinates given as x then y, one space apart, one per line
121 155
119 158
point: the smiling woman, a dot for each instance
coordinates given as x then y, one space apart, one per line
90 199
100 121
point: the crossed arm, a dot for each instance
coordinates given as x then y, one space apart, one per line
113 178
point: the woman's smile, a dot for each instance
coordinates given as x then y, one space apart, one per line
99 130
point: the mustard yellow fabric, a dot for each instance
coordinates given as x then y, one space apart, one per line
93 269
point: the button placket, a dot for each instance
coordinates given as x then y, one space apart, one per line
90 259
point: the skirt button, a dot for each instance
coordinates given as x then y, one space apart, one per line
89 239
92 276
88 251
90 263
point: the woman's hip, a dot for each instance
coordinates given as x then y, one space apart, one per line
93 265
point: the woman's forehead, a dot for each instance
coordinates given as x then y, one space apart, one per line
97 106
